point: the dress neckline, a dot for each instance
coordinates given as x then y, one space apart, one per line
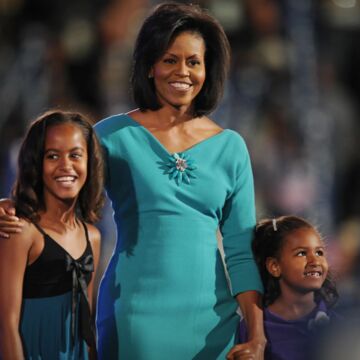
156 140
45 234
318 307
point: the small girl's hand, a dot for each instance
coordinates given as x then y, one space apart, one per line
253 350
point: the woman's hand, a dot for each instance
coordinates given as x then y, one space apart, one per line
250 305
9 222
253 350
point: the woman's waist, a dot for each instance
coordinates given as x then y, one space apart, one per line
167 273
163 236
152 219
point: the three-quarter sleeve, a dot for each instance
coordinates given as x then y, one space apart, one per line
237 226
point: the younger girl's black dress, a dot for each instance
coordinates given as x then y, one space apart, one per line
55 318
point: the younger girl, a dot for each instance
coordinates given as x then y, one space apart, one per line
45 271
299 293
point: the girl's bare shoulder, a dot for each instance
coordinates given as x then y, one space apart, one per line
22 240
94 234
29 230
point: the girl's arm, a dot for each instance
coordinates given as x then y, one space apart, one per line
94 237
13 260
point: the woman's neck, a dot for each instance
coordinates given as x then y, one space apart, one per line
174 115
293 306
163 119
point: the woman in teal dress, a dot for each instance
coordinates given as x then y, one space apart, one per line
175 178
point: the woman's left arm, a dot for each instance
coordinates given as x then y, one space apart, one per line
237 227
250 305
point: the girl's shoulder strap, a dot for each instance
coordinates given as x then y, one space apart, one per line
86 231
39 228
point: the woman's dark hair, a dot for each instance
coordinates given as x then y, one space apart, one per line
27 192
158 31
269 238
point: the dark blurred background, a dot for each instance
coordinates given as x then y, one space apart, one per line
293 93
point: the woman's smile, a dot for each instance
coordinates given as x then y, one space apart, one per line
180 86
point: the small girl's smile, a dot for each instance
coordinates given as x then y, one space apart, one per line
315 274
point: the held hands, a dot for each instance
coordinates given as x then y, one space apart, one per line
253 350
9 222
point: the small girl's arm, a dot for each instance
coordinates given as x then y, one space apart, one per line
13 259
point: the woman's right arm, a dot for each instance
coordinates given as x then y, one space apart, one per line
9 222
13 260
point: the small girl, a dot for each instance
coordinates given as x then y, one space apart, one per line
46 270
299 293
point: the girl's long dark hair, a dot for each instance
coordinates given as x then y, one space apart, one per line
27 192
269 238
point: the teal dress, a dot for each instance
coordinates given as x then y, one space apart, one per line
55 319
165 294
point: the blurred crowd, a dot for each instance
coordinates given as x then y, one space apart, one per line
293 93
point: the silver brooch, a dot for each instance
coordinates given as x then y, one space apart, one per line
180 167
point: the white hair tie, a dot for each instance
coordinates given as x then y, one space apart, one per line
274 224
